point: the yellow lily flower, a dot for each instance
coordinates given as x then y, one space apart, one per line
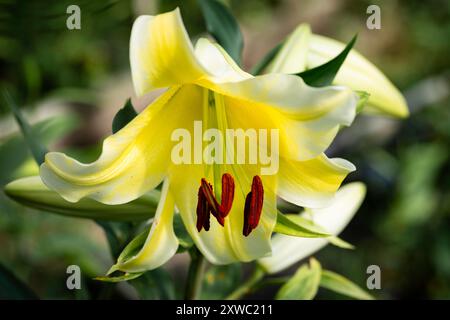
288 250
204 84
304 50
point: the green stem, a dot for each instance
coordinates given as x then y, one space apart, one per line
247 286
195 273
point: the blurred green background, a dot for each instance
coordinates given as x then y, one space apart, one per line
71 83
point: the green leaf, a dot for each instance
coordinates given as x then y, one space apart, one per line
153 284
295 225
136 244
123 116
363 98
265 61
298 226
118 236
338 242
32 192
304 284
13 288
222 25
324 74
36 148
14 151
123 277
219 281
133 247
337 283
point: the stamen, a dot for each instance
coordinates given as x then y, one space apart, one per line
227 194
253 206
202 211
207 202
213 205
209 194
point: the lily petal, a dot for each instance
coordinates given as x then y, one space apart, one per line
161 53
308 118
161 243
288 250
218 63
292 56
134 160
312 183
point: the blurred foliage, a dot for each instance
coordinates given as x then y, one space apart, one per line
404 223
39 54
219 281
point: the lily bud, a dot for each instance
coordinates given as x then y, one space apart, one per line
303 50
359 74
33 193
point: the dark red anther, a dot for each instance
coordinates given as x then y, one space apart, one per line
227 194
209 195
202 211
253 206
213 205
207 202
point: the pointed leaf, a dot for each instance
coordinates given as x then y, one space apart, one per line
133 247
123 116
294 225
338 242
122 254
312 226
324 74
115 279
14 153
298 226
35 146
337 283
